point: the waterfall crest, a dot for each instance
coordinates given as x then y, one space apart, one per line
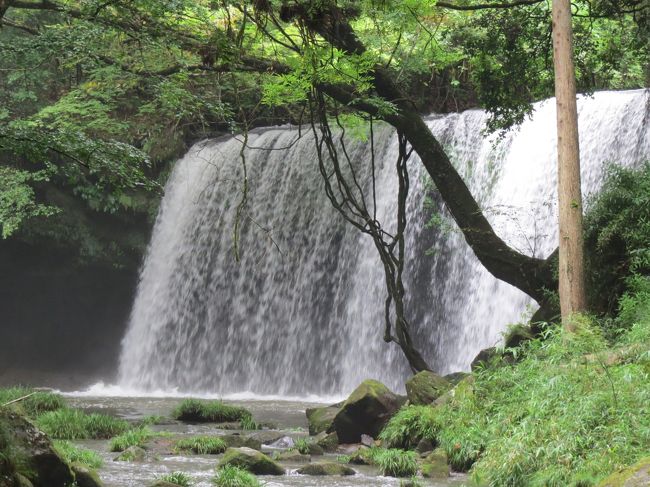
308 318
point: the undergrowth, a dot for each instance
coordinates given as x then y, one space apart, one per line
76 454
232 476
397 463
573 409
178 478
36 402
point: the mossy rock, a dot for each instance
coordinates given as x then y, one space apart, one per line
425 387
132 454
638 475
455 377
251 460
22 481
86 477
293 456
45 466
366 411
265 437
326 468
327 441
436 465
518 334
320 419
240 441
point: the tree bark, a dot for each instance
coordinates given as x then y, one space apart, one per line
571 258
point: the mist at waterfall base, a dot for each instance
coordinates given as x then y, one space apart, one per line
302 313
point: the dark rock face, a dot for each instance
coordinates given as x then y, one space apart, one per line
49 469
425 387
86 477
483 357
366 411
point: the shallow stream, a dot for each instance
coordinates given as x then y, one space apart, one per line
288 417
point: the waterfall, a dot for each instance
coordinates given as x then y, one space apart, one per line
302 311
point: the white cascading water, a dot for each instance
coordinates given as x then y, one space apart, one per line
308 318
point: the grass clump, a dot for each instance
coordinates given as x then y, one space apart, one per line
397 463
134 437
75 454
202 445
570 412
199 411
410 425
232 476
72 424
36 402
301 445
178 478
248 423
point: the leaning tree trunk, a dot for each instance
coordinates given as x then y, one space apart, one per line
571 259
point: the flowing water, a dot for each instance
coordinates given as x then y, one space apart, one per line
301 312
287 416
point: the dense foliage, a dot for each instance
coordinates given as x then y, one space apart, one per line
572 410
97 98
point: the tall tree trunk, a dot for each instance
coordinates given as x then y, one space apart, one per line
571 260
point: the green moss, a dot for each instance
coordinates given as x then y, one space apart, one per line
202 445
252 460
199 411
325 468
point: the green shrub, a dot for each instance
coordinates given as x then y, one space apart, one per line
75 454
397 463
617 235
410 425
72 424
231 476
571 411
134 437
178 478
202 445
198 411
36 403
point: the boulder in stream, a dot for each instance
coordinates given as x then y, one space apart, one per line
320 419
326 468
366 411
251 460
435 465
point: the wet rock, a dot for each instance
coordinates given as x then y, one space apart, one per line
424 446
46 467
455 377
320 419
327 441
425 387
361 457
266 437
239 441
638 475
326 468
435 465
132 454
483 357
367 440
251 460
284 442
86 477
366 411
315 449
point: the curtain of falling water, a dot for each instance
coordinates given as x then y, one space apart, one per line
308 318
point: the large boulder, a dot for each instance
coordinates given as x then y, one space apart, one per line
320 419
638 475
46 468
327 441
325 468
251 460
425 387
366 411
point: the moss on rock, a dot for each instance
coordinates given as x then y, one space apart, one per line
425 387
326 468
251 460
638 475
